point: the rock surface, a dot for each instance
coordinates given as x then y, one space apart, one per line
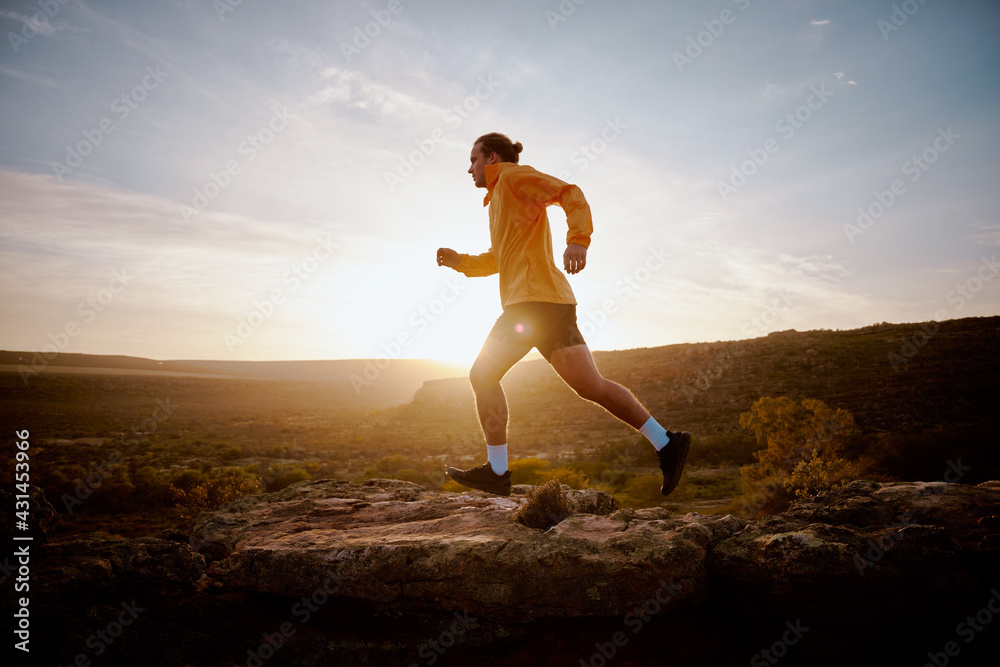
874 548
389 573
395 543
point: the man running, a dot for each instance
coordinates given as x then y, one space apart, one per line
539 309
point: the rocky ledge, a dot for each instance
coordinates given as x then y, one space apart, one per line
394 543
389 573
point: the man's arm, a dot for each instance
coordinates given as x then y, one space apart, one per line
578 217
543 190
474 266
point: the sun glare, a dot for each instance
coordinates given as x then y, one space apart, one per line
459 346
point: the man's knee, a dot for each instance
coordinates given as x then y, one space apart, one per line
482 377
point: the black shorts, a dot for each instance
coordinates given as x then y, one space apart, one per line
547 326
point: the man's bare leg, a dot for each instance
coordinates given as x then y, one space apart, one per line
575 365
495 359
493 362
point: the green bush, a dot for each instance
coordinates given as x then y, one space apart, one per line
280 475
817 474
232 484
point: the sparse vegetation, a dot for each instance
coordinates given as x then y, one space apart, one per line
225 488
109 449
545 506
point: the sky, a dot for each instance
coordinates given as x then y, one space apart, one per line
263 180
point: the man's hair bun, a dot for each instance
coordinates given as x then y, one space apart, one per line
494 142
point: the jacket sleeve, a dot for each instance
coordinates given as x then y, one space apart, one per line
476 266
544 190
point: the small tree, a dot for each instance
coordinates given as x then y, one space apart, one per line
790 433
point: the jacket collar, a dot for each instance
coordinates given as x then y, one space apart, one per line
492 173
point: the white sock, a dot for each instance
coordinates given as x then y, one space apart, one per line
655 433
497 456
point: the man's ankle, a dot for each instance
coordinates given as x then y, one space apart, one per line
497 456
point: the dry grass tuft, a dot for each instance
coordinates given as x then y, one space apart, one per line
545 507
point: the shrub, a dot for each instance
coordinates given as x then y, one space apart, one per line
280 475
230 453
151 487
233 484
817 474
789 434
388 466
545 507
789 431
188 479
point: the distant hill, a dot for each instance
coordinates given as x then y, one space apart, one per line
892 377
376 383
73 360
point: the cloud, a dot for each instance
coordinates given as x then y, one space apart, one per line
63 233
812 39
44 27
840 78
30 78
188 283
356 90
350 88
986 233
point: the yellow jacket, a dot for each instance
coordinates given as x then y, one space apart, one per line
520 239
